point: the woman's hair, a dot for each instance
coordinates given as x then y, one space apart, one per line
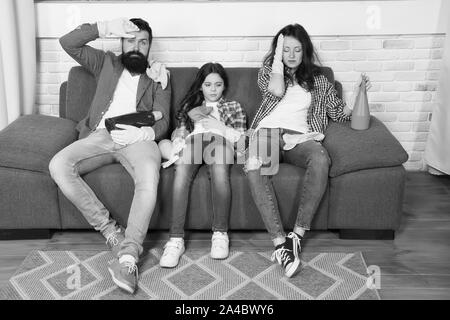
308 69
194 97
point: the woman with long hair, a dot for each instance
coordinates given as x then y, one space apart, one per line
297 102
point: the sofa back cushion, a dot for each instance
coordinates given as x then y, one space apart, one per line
181 80
80 91
243 88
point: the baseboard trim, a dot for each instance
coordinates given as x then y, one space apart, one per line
25 234
361 234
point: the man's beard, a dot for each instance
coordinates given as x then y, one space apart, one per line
135 62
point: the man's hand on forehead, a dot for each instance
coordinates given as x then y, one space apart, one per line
130 27
121 27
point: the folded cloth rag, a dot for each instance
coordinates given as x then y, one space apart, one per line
291 140
158 73
199 113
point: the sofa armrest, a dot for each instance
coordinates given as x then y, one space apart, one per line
351 150
31 141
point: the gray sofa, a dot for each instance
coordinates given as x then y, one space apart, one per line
363 198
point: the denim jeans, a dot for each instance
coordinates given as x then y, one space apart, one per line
218 155
310 155
142 161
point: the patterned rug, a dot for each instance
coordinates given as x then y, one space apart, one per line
244 276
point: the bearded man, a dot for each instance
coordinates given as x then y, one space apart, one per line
123 87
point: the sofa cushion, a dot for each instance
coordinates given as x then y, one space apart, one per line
80 91
180 80
31 141
244 89
28 200
367 199
352 150
76 94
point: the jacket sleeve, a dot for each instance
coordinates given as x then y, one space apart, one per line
334 104
161 102
75 44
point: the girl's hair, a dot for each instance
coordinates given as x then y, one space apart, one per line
308 69
194 96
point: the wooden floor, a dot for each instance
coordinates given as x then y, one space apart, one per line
416 265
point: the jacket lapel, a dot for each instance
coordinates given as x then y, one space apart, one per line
144 83
118 69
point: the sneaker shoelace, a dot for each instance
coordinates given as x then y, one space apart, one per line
112 239
295 243
131 267
282 255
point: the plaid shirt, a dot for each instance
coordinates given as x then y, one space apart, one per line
231 114
324 102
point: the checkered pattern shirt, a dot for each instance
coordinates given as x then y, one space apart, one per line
231 114
325 102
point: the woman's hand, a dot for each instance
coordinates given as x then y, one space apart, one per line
359 81
349 107
278 56
276 83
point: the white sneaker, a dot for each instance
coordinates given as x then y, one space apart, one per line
173 250
219 245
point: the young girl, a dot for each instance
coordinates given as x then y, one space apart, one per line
297 103
211 138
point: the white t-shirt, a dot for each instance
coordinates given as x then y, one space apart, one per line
124 99
291 112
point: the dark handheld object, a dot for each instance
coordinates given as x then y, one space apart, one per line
137 119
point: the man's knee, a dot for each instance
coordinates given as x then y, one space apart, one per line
154 154
57 165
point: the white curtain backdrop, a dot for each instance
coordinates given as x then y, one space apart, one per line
437 152
17 59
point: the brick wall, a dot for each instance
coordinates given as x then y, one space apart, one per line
404 71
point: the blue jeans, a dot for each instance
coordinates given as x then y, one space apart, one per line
310 155
221 156
142 161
